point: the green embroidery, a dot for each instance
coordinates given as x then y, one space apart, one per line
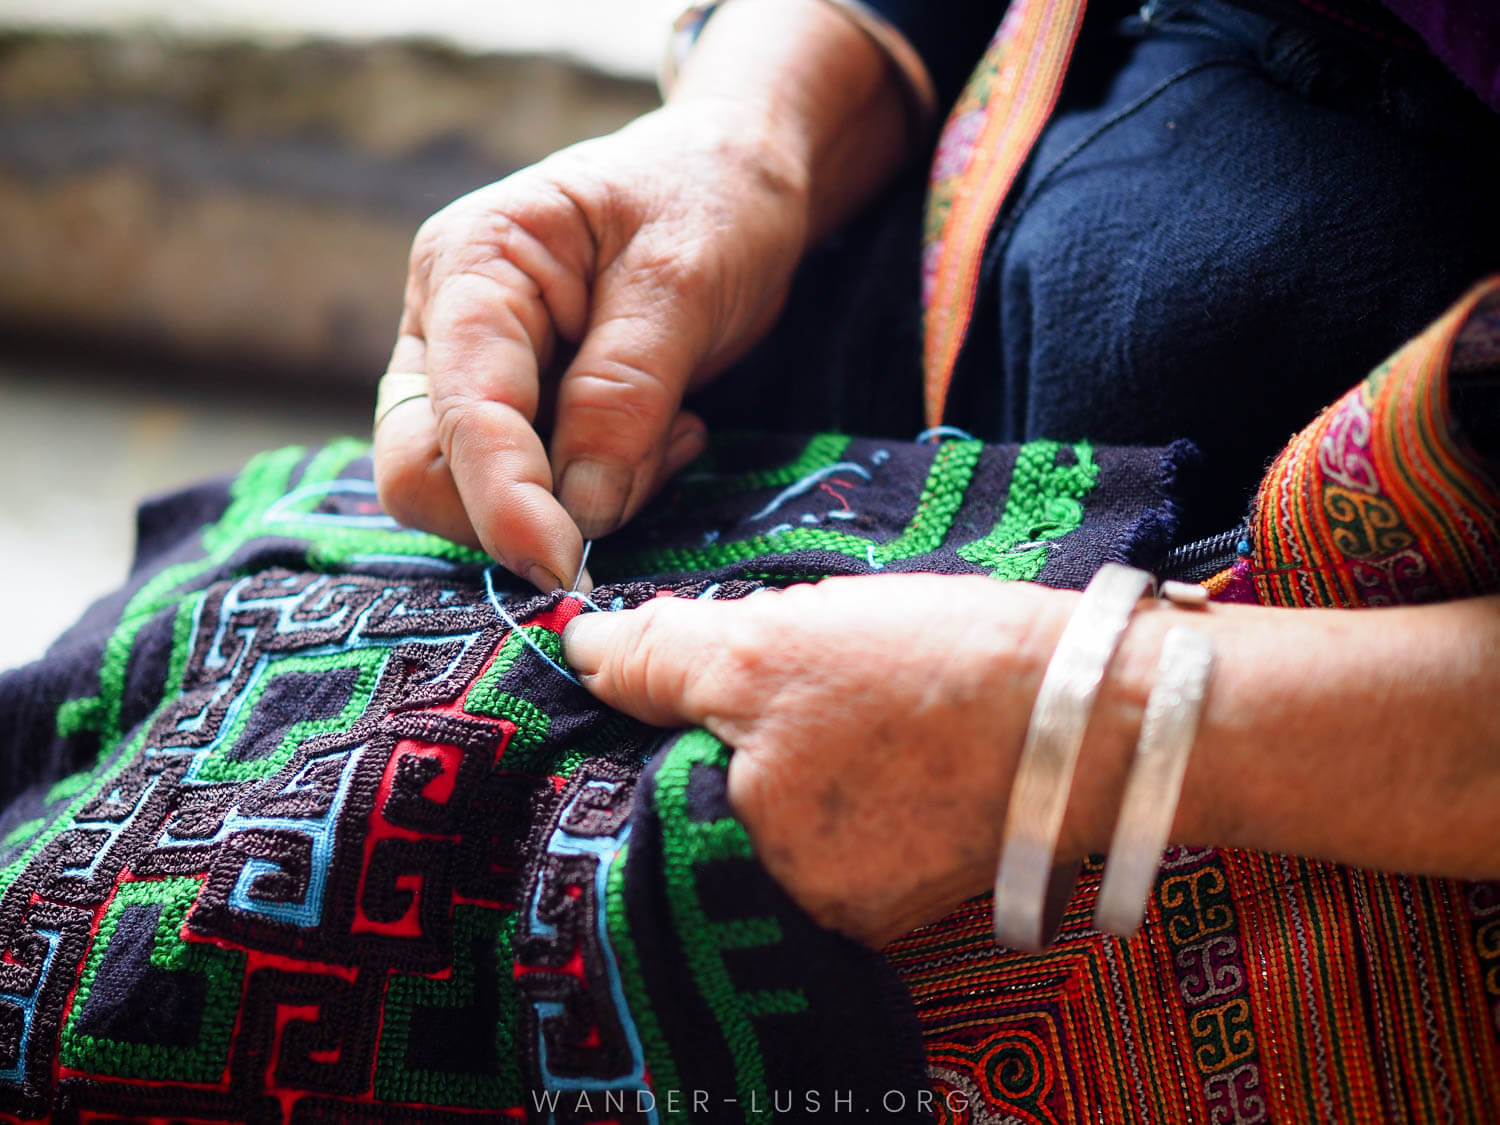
510 651
822 451
687 847
396 1079
23 832
531 723
218 765
78 789
222 971
264 479
1045 502
942 495
659 1061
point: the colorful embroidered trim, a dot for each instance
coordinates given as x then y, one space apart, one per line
1379 501
983 146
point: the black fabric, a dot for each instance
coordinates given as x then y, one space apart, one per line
950 37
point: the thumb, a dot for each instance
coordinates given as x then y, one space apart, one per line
649 662
618 401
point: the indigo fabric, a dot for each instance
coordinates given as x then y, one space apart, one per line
1199 250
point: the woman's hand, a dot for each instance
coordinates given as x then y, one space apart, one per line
589 292
637 263
875 723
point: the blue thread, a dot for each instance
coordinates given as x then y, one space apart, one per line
710 537
404 560
779 528
880 457
843 515
809 482
944 431
708 594
588 545
870 558
282 508
585 599
618 604
808 517
489 589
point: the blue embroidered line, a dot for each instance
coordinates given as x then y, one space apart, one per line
944 431
808 483
405 560
489 589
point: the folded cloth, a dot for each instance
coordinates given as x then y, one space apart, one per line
345 841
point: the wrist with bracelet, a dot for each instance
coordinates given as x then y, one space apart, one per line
1031 888
918 91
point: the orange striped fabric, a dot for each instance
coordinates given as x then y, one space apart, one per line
1380 501
984 144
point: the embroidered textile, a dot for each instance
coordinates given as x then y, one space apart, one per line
1381 501
350 848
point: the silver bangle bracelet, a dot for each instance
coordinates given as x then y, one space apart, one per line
1168 728
1029 891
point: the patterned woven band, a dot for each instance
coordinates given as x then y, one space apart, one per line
395 388
1150 802
1029 892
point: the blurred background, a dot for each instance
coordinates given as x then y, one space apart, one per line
205 212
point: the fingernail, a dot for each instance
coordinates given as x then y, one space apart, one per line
543 579
585 639
594 494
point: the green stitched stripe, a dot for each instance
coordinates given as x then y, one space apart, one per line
745 933
222 971
775 1001
23 832
821 451
661 1067
264 479
1045 501
397 1079
510 651
687 847
80 788
367 663
942 495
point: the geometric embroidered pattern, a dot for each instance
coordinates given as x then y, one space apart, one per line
350 849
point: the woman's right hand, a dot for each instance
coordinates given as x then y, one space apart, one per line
590 290
587 293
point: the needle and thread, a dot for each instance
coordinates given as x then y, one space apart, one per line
807 483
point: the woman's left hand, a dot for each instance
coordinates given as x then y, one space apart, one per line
875 724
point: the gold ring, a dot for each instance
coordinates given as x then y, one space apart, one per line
395 388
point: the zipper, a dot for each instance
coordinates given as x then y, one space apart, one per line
1193 562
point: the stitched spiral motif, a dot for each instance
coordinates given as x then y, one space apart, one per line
1379 501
